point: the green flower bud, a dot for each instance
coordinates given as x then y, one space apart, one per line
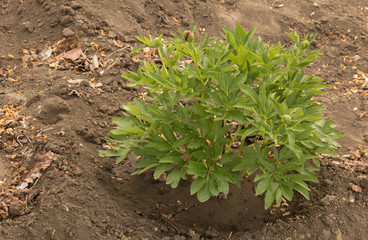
188 36
157 42
286 118
304 44
154 126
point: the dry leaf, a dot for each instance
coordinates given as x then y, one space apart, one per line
355 154
44 162
45 54
13 79
176 20
355 188
5 213
286 214
27 61
95 62
73 54
68 44
119 44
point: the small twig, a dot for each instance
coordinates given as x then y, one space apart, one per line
34 183
28 139
19 141
47 129
26 203
98 234
85 57
116 51
172 225
113 65
231 233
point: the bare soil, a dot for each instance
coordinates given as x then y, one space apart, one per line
55 115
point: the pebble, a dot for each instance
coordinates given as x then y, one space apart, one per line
114 72
328 199
195 236
163 190
112 34
364 183
75 5
28 26
53 23
164 229
211 233
328 182
92 26
66 20
67 32
222 196
326 234
15 209
68 10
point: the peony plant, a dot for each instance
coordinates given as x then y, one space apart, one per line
221 110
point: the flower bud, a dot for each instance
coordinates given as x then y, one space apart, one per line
154 126
286 118
304 44
188 36
157 42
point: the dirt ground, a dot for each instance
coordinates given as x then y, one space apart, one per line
56 111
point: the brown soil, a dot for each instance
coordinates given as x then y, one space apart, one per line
60 118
